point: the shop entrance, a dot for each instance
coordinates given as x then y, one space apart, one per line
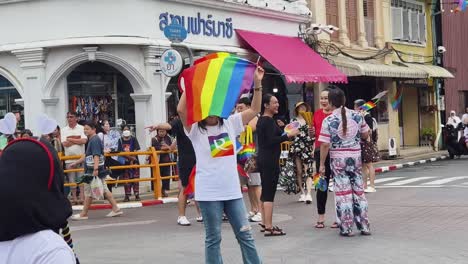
8 95
98 92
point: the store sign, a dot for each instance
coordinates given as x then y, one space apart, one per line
171 63
175 32
198 25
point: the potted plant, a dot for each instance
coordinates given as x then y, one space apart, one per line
428 135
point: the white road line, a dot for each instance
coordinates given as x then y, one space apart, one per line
410 163
422 161
433 159
446 180
421 186
387 179
89 227
403 182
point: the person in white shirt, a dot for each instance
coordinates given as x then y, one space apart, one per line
73 140
37 207
217 191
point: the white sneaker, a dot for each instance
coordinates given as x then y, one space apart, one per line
302 198
370 189
251 214
78 217
114 214
183 221
199 219
256 218
330 186
308 198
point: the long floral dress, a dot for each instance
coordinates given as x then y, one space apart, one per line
346 167
301 147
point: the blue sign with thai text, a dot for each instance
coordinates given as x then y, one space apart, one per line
175 32
197 25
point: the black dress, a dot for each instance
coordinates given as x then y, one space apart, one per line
269 150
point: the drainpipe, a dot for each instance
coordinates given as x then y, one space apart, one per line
436 80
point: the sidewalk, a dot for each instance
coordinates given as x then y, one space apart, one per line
408 158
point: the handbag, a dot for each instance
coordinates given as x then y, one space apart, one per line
247 149
97 188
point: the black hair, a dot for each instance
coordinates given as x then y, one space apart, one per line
202 124
337 98
266 98
72 113
91 124
359 102
26 131
244 100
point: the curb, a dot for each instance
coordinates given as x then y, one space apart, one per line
175 200
407 164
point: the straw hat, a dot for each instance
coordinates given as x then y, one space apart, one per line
299 104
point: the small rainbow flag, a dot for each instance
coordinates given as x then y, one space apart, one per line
368 106
213 85
397 99
221 145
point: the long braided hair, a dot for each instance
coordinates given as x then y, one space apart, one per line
337 98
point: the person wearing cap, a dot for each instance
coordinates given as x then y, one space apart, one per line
129 143
370 153
37 207
301 153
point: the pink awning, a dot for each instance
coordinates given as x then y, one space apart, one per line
292 57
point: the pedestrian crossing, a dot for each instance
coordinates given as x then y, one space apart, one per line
422 182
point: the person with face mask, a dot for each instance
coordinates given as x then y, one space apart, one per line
129 143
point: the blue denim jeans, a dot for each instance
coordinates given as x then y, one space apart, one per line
235 211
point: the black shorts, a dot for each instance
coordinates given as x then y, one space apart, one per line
269 173
184 174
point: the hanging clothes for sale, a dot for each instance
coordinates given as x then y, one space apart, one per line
92 108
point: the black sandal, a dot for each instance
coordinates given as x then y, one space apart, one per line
262 227
274 231
320 225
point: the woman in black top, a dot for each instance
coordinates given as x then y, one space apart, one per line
269 138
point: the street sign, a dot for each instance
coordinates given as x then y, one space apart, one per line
175 32
171 62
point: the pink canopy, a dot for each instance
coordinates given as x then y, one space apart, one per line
292 57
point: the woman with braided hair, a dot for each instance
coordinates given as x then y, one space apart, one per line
340 136
37 207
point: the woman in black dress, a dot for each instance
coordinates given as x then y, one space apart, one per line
270 137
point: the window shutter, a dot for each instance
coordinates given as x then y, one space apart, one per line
415 26
422 27
397 23
406 25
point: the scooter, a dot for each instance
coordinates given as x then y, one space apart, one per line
455 147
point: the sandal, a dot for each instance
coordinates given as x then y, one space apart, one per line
274 231
350 234
262 227
335 225
320 225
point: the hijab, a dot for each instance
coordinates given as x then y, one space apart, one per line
453 120
32 183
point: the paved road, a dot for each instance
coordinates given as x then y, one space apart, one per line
413 221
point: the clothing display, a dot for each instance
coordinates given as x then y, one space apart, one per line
92 108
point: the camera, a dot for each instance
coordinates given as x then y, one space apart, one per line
314 29
441 49
330 29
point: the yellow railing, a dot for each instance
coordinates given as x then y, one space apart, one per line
154 165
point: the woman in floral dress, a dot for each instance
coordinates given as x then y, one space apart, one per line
301 153
341 136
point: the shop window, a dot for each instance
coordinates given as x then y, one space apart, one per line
97 91
408 21
8 95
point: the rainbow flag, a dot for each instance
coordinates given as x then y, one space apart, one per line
191 183
221 145
214 83
397 99
368 106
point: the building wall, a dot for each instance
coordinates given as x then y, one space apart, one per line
455 37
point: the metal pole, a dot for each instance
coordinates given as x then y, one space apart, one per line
189 50
436 81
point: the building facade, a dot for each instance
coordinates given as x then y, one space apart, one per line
386 45
101 59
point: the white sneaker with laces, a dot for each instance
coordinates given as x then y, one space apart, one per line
308 198
183 221
114 214
370 189
302 198
256 218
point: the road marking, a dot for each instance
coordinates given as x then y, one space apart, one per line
433 159
446 180
387 179
421 186
410 163
403 182
90 227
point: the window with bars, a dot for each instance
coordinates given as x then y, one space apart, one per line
408 21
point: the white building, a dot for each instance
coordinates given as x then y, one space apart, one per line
101 58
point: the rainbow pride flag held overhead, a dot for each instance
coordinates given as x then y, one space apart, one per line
214 83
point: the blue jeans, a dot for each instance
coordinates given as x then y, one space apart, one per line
235 211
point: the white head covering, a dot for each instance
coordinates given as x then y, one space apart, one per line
453 120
